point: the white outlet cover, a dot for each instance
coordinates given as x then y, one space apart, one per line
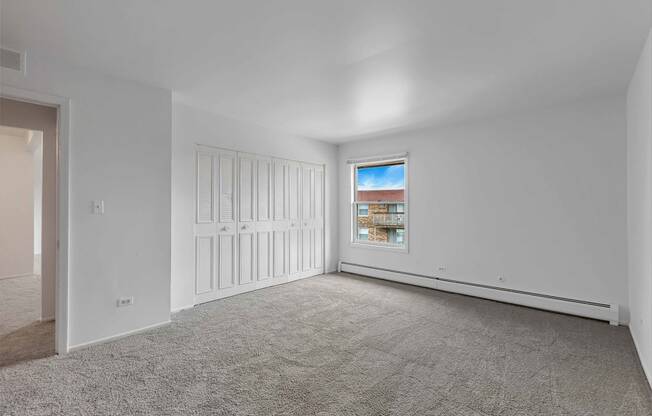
125 301
98 207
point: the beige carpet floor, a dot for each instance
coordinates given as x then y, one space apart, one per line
22 335
344 345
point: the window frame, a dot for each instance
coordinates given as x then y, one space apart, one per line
378 161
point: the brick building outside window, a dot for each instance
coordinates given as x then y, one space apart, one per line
381 216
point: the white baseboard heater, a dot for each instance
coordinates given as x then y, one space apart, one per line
588 309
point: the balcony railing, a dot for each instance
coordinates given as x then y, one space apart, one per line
389 220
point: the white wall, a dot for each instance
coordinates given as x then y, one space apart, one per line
639 203
36 147
190 126
16 207
119 152
538 198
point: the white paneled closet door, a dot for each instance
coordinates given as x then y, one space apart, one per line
294 229
281 223
307 216
214 228
246 219
318 220
264 219
312 219
258 222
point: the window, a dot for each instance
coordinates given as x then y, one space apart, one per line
379 202
400 235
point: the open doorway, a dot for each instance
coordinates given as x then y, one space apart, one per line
28 220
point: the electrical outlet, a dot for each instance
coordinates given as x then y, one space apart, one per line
501 279
125 301
98 207
441 268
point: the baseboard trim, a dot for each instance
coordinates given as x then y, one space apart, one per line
47 319
258 285
586 309
16 276
646 371
182 308
304 275
117 336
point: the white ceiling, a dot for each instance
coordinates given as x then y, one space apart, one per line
340 69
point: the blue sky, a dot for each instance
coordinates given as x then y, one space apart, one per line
381 177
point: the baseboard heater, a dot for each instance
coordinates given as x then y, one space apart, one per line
588 309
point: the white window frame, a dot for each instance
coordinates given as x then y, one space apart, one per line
375 161
367 214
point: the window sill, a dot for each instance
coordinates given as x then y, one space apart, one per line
381 247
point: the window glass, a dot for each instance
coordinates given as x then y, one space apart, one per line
379 203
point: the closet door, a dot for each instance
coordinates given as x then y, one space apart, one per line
281 222
226 192
294 216
258 222
246 219
307 216
264 219
312 219
214 228
318 220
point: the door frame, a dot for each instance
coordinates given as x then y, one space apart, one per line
62 104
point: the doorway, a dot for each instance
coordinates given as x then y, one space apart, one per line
28 218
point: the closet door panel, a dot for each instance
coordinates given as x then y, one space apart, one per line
294 251
294 233
307 194
318 254
265 255
264 189
226 261
307 216
204 187
295 192
246 251
247 188
204 275
318 220
281 194
306 249
226 187
280 252
319 194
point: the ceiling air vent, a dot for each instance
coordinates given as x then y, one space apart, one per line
12 60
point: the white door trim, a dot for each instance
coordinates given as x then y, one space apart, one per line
62 104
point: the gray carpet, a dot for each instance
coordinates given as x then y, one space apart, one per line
22 335
343 345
